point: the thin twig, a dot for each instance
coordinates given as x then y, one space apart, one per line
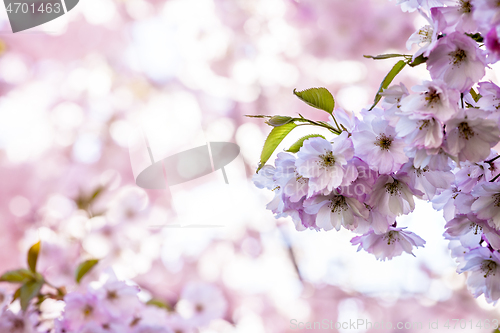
496 177
492 160
291 253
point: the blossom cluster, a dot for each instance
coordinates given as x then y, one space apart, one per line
61 292
105 306
115 307
434 143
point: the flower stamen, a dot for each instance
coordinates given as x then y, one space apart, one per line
465 6
465 131
496 201
337 203
393 188
432 97
476 228
391 237
457 57
384 142
327 159
489 267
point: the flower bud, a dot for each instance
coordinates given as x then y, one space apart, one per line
276 121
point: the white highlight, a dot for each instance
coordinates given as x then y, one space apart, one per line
64 6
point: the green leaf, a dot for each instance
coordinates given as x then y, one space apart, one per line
33 256
297 145
84 268
85 201
273 140
387 80
319 98
386 56
30 290
276 121
17 294
475 95
477 37
159 304
17 276
418 61
256 116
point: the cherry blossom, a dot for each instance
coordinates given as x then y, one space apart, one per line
483 267
390 244
326 164
470 135
457 61
487 204
334 211
376 143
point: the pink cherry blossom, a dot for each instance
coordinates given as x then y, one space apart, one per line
118 298
492 43
392 196
471 231
326 164
470 135
483 267
459 17
487 204
470 174
430 182
434 159
490 96
334 211
457 61
486 13
390 244
265 177
82 309
201 303
294 185
420 131
433 98
427 36
18 323
376 143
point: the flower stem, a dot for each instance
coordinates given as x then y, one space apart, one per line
335 120
495 178
321 124
492 160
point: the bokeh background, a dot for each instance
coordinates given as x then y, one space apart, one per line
74 90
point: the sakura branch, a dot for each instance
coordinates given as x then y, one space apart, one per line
434 143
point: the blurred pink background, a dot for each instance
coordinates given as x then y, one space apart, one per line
74 90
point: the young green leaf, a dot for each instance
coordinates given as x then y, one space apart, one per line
386 56
159 304
17 276
273 140
84 268
17 294
256 116
33 256
387 80
475 95
319 98
297 145
276 121
418 61
477 37
30 290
